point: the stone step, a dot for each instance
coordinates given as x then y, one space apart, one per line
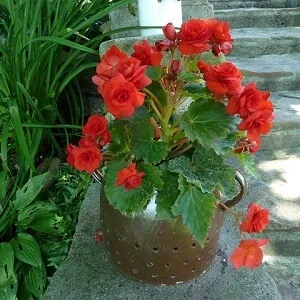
260 17
88 275
286 128
282 261
277 188
253 42
232 4
272 72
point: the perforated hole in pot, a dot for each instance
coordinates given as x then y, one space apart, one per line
136 246
194 245
175 249
132 259
193 270
173 276
186 263
149 264
154 275
168 265
155 249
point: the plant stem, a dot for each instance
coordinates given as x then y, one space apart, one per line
154 98
156 109
156 127
236 215
180 143
175 154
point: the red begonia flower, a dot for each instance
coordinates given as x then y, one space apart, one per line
105 139
116 62
87 159
108 67
194 36
248 254
147 54
129 177
95 126
259 122
222 79
249 101
257 219
121 97
86 142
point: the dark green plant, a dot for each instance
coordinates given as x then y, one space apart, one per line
43 48
44 223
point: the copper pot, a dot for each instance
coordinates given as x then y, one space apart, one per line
159 252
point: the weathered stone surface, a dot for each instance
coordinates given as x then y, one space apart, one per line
87 273
190 9
260 17
272 72
277 188
253 42
229 4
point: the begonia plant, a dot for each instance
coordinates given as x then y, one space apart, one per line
174 119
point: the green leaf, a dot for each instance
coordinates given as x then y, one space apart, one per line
27 249
38 210
3 186
8 278
206 122
119 138
19 133
247 161
167 196
51 225
154 73
206 171
23 291
196 208
226 145
188 76
143 144
6 216
29 191
130 202
62 41
35 280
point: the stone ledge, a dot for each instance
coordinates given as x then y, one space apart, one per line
88 275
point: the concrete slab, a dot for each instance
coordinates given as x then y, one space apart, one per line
260 17
271 72
277 188
229 4
88 275
253 42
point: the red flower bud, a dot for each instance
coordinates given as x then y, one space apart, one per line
175 66
170 32
164 45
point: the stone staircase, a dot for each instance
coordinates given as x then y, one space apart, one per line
267 50
230 4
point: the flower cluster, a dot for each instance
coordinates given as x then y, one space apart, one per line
249 253
154 148
87 156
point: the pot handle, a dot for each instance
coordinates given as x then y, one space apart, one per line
97 176
244 187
